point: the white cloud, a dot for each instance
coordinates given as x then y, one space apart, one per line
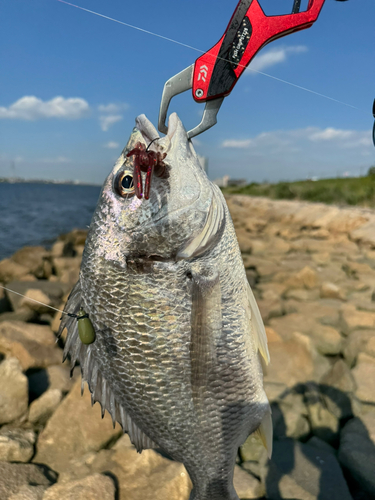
113 108
112 145
274 56
110 114
236 143
348 138
329 134
288 140
107 121
33 108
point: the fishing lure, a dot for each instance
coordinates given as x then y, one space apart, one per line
146 161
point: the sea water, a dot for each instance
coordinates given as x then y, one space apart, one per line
36 214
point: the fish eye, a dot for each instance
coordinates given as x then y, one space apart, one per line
124 184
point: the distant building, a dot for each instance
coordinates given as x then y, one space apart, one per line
204 162
222 181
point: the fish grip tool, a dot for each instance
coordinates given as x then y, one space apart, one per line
215 73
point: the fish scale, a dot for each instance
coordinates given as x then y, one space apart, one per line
178 333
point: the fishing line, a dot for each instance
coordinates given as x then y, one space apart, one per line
33 300
203 52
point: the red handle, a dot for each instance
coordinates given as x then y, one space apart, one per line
216 72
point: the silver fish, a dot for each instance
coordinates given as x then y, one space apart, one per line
179 337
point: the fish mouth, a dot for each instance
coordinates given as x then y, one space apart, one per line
166 144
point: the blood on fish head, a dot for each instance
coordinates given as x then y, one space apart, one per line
179 196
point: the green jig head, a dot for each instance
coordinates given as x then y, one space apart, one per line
86 331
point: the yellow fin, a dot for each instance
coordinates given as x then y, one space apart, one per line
258 330
265 432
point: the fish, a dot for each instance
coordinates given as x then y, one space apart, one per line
179 344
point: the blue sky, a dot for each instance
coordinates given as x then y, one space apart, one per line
71 85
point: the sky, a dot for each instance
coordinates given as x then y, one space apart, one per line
72 84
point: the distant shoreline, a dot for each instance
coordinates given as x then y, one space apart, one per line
17 180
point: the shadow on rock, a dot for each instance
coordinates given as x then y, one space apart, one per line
321 451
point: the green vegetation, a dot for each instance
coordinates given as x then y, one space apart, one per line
348 191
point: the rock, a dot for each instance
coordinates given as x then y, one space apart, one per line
253 450
33 345
14 477
327 340
286 325
323 423
364 376
65 264
337 387
331 291
356 342
271 291
272 336
246 485
23 314
95 487
16 445
264 267
145 476
301 294
58 248
323 311
244 240
53 290
32 258
270 308
318 443
10 270
13 391
28 492
368 420
76 237
364 233
370 347
37 301
291 363
357 457
52 377
306 278
59 377
42 408
300 471
4 302
351 320
289 417
278 246
322 258
274 390
55 324
74 429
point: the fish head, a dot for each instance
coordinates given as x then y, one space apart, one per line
176 212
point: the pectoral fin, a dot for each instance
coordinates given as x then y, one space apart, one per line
206 327
265 432
258 330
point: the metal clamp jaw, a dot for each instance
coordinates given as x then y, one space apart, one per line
179 83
